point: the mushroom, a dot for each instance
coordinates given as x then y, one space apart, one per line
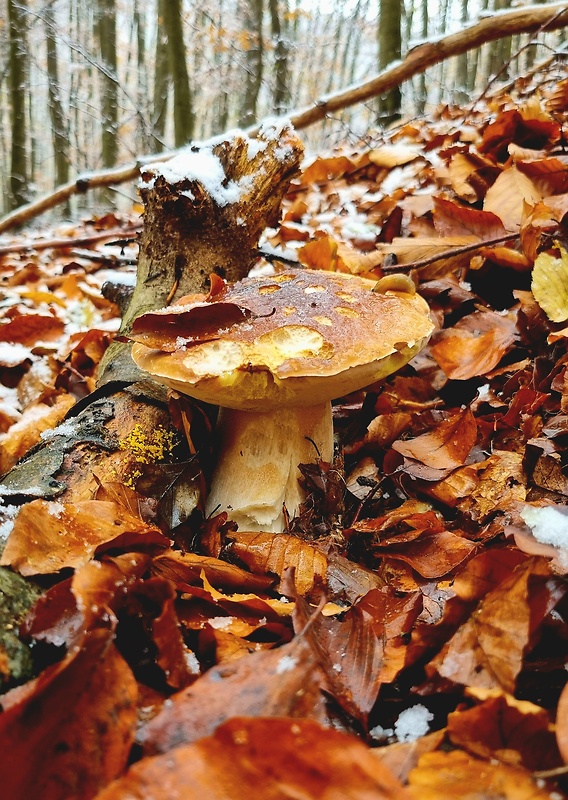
273 352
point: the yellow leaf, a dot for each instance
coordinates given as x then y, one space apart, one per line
550 285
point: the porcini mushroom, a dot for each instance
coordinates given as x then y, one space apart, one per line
273 352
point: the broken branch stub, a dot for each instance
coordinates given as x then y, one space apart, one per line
204 212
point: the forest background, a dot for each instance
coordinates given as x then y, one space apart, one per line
88 85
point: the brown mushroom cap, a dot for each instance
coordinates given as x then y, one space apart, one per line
294 339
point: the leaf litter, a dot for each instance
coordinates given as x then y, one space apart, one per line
408 635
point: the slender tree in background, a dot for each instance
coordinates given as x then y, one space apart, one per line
18 72
59 132
390 49
105 28
253 61
281 43
184 118
161 79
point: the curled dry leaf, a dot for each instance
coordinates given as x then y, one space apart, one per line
550 285
461 777
446 446
488 650
272 759
453 219
508 196
475 345
284 682
184 569
562 724
69 731
274 553
512 731
326 253
48 536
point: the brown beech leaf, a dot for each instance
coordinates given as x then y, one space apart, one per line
269 552
350 655
272 759
172 655
501 481
433 554
48 536
474 345
446 446
488 650
282 682
328 254
549 175
512 731
324 169
458 776
165 328
394 155
29 329
71 608
562 724
69 732
454 219
402 757
184 569
508 196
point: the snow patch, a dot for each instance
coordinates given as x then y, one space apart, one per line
413 723
286 664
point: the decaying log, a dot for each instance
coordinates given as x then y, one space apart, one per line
117 434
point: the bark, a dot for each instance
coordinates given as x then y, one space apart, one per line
390 49
419 59
59 131
161 76
184 119
17 22
182 241
105 26
278 27
253 62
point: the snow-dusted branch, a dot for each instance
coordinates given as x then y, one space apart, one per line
529 19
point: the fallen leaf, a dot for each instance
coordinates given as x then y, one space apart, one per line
475 345
48 536
549 285
461 777
285 682
274 553
446 446
508 196
270 758
69 732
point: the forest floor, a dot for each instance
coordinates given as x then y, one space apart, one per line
420 646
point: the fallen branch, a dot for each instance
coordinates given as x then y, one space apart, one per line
419 59
65 243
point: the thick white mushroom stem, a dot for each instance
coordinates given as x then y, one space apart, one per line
257 473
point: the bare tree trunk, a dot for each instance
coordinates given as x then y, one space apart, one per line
105 27
461 94
59 130
279 30
161 77
17 22
184 119
254 62
390 48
